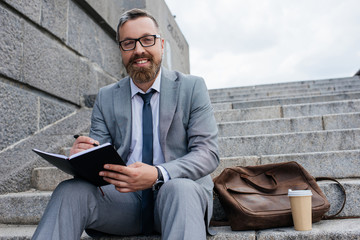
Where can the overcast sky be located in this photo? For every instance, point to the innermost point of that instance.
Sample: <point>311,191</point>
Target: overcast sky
<point>249,42</point>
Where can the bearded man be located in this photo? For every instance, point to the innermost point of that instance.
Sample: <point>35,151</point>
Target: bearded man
<point>162,124</point>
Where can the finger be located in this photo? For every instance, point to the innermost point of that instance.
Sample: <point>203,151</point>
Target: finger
<point>84,146</point>
<point>120,186</point>
<point>117,168</point>
<point>86,140</point>
<point>79,148</point>
<point>114,175</point>
<point>74,151</point>
<point>115,182</point>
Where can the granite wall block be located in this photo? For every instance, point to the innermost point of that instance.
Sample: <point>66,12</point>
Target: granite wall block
<point>82,34</point>
<point>86,37</point>
<point>31,9</point>
<point>54,17</point>
<point>87,77</point>
<point>104,79</point>
<point>50,14</point>
<point>113,8</point>
<point>10,44</point>
<point>50,66</point>
<point>52,111</point>
<point>111,56</point>
<point>19,114</point>
<point>26,113</point>
<point>17,162</point>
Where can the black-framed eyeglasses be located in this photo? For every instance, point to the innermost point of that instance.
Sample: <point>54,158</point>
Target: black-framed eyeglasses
<point>146,41</point>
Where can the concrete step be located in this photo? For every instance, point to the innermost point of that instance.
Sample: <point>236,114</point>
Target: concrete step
<point>247,114</point>
<point>322,108</point>
<point>281,93</point>
<point>288,111</point>
<point>325,84</point>
<point>346,229</point>
<point>24,207</point>
<point>18,161</point>
<point>288,125</point>
<point>333,193</point>
<point>16,232</point>
<point>222,106</point>
<point>337,85</point>
<point>295,100</point>
<point>273,126</point>
<point>22,204</point>
<point>23,232</point>
<point>47,178</point>
<point>335,164</point>
<point>320,141</point>
<point>28,207</point>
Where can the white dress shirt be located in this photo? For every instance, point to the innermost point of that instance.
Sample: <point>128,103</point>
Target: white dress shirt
<point>137,103</point>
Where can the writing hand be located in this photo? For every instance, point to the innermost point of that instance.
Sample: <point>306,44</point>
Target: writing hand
<point>137,176</point>
<point>82,143</point>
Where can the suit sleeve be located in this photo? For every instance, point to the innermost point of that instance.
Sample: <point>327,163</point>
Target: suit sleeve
<point>201,133</point>
<point>99,130</point>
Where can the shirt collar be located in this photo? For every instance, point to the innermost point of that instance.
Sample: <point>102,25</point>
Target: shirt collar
<point>155,86</point>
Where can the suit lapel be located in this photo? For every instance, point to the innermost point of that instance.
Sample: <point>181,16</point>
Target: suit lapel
<point>122,105</point>
<point>169,91</point>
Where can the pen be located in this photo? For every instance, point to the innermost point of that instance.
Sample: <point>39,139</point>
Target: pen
<point>76,136</point>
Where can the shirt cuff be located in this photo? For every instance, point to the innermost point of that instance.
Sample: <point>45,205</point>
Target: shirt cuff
<point>164,173</point>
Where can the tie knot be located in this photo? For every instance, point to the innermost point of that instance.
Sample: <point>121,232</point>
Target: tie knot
<point>147,96</point>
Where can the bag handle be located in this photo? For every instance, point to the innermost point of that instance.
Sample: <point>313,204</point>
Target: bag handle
<point>261,188</point>
<point>342,189</point>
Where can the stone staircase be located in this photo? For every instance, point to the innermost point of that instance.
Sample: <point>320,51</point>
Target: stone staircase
<point>316,123</point>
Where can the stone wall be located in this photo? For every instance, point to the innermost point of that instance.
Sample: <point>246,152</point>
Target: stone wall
<point>52,53</point>
<point>55,53</point>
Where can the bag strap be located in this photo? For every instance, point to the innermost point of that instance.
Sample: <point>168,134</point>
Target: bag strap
<point>272,187</point>
<point>342,189</point>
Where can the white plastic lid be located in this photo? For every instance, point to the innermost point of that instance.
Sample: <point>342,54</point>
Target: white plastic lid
<point>297,193</point>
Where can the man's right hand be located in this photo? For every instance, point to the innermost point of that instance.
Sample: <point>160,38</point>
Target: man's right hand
<point>82,143</point>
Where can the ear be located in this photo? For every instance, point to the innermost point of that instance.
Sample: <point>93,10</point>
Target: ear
<point>162,46</point>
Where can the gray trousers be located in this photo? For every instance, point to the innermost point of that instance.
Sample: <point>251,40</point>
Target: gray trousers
<point>76,205</point>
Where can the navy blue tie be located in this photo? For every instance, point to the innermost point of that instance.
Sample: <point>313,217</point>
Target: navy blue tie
<point>147,204</point>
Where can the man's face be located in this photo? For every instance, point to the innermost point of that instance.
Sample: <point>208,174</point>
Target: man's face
<point>142,63</point>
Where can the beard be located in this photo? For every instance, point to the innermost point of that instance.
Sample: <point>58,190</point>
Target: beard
<point>143,74</point>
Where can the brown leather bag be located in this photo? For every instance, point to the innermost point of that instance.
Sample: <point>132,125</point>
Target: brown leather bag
<point>255,197</point>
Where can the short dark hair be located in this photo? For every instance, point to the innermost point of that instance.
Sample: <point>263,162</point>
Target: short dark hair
<point>131,15</point>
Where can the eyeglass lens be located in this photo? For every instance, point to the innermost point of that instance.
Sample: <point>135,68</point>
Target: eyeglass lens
<point>146,41</point>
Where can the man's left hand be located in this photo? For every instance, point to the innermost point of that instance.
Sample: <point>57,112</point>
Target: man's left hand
<point>137,176</point>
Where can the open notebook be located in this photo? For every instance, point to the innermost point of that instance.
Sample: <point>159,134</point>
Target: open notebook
<point>86,164</point>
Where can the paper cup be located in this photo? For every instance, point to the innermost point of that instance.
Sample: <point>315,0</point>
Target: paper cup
<point>300,201</point>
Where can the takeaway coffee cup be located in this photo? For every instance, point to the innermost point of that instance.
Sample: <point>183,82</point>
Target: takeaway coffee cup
<point>300,201</point>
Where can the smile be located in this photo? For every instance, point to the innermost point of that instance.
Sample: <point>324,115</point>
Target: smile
<point>141,61</point>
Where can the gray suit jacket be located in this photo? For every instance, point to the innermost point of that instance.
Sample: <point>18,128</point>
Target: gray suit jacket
<point>188,131</point>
